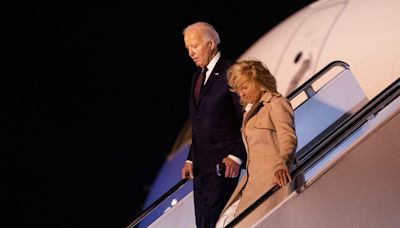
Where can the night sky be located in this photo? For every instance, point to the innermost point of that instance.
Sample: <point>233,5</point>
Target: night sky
<point>94,96</point>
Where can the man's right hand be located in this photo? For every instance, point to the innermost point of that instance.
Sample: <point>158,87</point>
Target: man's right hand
<point>187,170</point>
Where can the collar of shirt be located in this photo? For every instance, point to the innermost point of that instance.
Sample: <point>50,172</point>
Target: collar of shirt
<point>248,107</point>
<point>211,65</point>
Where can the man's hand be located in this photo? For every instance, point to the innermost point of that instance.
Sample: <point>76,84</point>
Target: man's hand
<point>187,170</point>
<point>232,168</point>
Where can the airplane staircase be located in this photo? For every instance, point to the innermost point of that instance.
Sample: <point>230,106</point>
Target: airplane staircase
<point>348,160</point>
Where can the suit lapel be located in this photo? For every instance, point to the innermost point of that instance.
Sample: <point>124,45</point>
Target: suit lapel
<point>211,80</point>
<point>214,76</point>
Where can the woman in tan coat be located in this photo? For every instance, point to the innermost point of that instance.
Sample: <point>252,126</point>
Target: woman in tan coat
<point>269,136</point>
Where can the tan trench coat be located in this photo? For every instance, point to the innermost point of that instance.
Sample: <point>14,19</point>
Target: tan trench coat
<point>270,139</point>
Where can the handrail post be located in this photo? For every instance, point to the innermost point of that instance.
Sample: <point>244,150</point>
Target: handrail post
<point>309,91</point>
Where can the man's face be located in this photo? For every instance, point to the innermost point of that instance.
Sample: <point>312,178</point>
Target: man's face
<point>199,48</point>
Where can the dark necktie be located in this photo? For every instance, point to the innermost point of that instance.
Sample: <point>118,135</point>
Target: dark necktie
<point>199,84</point>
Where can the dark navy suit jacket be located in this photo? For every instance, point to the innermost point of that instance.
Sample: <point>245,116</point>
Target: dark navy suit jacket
<point>216,121</point>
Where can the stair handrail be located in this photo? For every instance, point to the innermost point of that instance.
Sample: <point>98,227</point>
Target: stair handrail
<point>156,203</point>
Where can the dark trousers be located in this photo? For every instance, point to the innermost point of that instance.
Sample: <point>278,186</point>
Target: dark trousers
<point>211,193</point>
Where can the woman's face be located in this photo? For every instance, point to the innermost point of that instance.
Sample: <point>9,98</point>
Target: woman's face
<point>250,92</point>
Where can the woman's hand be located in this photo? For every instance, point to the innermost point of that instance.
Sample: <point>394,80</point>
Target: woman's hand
<point>282,176</point>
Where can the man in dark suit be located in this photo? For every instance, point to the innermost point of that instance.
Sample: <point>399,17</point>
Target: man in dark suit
<point>216,118</point>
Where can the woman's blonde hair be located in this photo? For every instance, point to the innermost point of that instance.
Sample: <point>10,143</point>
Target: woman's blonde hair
<point>253,71</point>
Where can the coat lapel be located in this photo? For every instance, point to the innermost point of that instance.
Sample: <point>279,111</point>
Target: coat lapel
<point>253,111</point>
<point>266,98</point>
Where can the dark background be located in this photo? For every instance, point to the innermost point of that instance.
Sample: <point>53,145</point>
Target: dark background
<point>94,96</point>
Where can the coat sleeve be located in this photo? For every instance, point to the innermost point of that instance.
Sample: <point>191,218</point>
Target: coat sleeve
<point>282,115</point>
